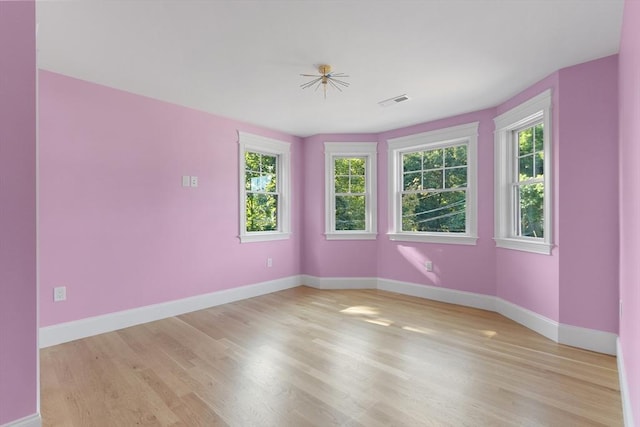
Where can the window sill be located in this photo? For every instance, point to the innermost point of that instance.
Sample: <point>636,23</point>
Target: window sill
<point>532,246</point>
<point>263,237</point>
<point>351,236</point>
<point>431,238</point>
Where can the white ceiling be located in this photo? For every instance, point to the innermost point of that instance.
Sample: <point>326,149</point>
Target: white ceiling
<point>242,58</point>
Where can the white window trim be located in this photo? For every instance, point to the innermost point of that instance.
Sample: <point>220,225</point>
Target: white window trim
<point>332,151</point>
<point>261,144</point>
<point>535,109</point>
<point>466,133</point>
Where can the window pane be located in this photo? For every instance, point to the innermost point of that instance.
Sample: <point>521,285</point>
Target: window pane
<point>252,161</point>
<point>433,159</point>
<point>268,164</point>
<point>251,181</point>
<point>357,184</point>
<point>525,167</point>
<point>531,207</point>
<point>263,183</point>
<point>525,142</point>
<point>350,213</point>
<point>357,166</point>
<point>539,137</point>
<point>342,184</point>
<point>456,177</point>
<point>342,166</point>
<point>412,162</point>
<point>434,212</point>
<point>432,179</point>
<point>262,212</point>
<point>455,156</point>
<point>270,183</point>
<point>412,181</point>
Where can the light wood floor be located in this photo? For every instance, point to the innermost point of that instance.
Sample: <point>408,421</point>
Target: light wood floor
<point>309,357</point>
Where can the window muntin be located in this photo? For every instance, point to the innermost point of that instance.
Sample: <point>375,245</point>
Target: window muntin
<point>523,210</point>
<point>264,188</point>
<point>350,190</point>
<point>432,186</point>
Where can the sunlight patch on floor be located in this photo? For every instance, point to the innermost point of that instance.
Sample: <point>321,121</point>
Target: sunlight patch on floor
<point>361,310</point>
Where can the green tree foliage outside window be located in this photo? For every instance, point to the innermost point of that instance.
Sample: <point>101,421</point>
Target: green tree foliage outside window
<point>350,193</point>
<point>434,190</point>
<point>261,189</point>
<point>530,186</point>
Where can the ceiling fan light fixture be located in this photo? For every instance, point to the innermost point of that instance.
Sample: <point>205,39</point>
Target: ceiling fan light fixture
<point>326,78</point>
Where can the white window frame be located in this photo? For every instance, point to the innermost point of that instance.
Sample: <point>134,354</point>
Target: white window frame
<point>535,110</point>
<point>366,150</point>
<point>260,144</point>
<point>455,135</point>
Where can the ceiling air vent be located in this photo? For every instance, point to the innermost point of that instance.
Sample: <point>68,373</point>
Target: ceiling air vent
<point>393,101</point>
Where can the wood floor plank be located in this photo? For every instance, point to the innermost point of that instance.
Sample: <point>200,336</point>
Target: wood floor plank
<point>307,357</point>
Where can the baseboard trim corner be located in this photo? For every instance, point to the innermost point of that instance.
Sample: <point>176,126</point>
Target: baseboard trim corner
<point>588,339</point>
<point>34,420</point>
<point>536,322</point>
<point>627,411</point>
<point>70,331</point>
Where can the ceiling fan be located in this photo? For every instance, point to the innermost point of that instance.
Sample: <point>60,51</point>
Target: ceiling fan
<point>325,78</point>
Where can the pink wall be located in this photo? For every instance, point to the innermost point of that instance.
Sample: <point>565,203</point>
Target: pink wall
<point>116,226</point>
<point>526,279</point>
<point>466,268</point>
<point>629,121</point>
<point>588,183</point>
<point>330,258</point>
<point>18,306</point>
<point>558,286</point>
<point>576,284</point>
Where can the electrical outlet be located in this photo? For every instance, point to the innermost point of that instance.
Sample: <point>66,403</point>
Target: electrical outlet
<point>428,265</point>
<point>186,181</point>
<point>194,181</point>
<point>269,262</point>
<point>59,293</point>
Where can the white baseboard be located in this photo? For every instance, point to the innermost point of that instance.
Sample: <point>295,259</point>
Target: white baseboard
<point>69,331</point>
<point>452,296</point>
<point>34,420</point>
<point>589,339</point>
<point>624,388</point>
<point>532,320</point>
<point>339,282</point>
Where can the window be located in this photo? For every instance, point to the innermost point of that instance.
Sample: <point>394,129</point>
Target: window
<point>264,188</point>
<point>523,177</point>
<point>432,186</point>
<point>350,190</point>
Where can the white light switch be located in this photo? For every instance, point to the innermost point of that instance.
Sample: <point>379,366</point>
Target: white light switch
<point>186,181</point>
<point>194,181</point>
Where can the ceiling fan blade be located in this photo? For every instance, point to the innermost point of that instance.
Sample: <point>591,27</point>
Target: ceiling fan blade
<point>311,83</point>
<point>340,82</point>
<point>332,83</point>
